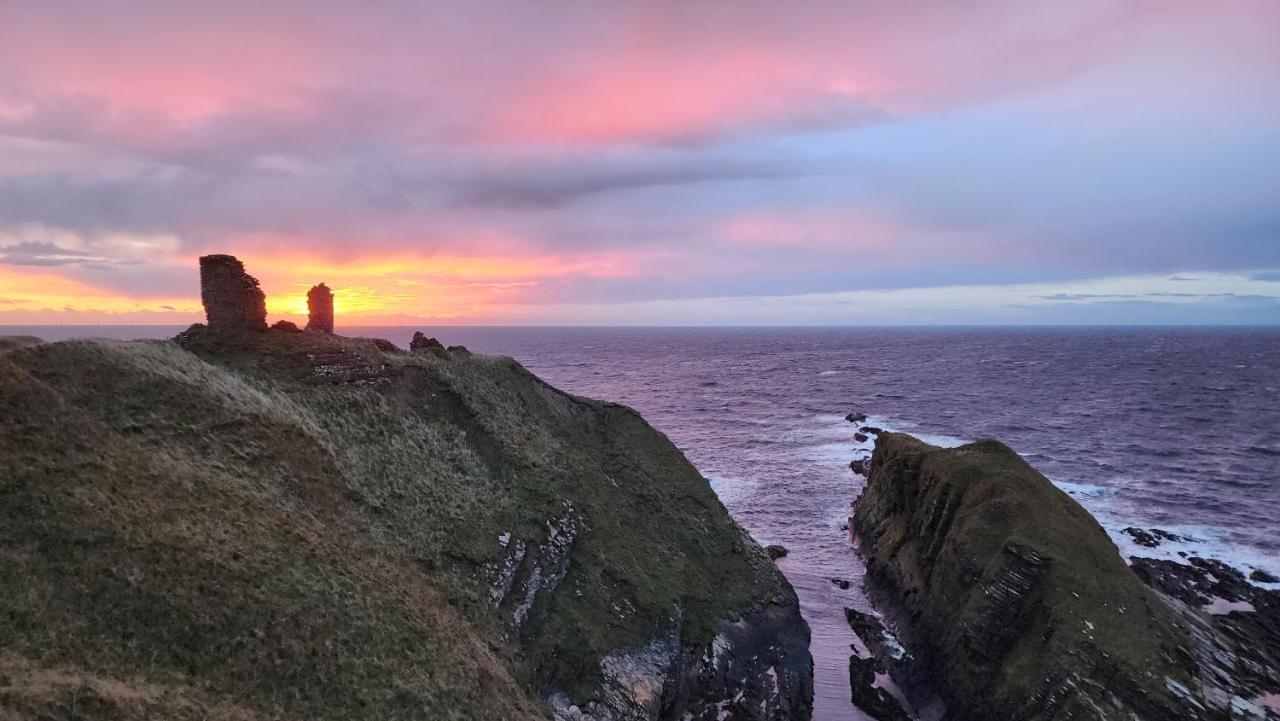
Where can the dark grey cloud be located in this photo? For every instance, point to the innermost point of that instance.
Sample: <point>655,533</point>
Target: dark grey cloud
<point>877,146</point>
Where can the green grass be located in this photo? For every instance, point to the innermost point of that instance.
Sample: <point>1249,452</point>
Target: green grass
<point>297,525</point>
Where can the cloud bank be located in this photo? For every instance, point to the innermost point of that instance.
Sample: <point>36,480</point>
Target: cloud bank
<point>504,163</point>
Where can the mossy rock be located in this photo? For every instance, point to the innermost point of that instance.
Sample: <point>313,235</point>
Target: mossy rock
<point>1014,591</point>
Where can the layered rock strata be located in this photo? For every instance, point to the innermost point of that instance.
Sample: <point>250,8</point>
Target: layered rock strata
<point>1014,595</point>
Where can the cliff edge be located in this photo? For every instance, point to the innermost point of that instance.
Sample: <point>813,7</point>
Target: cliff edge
<point>1015,596</point>
<point>243,524</point>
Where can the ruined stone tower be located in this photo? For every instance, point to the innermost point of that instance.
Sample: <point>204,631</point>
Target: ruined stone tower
<point>231,297</point>
<point>320,309</point>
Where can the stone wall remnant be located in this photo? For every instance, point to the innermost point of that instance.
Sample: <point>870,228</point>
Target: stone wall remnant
<point>320,309</point>
<point>231,297</point>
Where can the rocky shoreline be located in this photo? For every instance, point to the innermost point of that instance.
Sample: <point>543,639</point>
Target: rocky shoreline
<point>1006,601</point>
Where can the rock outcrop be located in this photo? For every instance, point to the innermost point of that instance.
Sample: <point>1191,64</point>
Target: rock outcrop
<point>1235,627</point>
<point>1013,594</point>
<point>320,309</point>
<point>231,297</point>
<point>420,343</point>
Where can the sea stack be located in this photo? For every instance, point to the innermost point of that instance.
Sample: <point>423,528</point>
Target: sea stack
<point>320,309</point>
<point>231,297</point>
<point>1014,594</point>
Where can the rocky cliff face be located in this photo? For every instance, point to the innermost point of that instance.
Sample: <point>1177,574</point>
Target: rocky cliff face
<point>299,525</point>
<point>1016,598</point>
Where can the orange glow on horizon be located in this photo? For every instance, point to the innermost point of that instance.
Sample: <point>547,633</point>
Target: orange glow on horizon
<point>438,286</point>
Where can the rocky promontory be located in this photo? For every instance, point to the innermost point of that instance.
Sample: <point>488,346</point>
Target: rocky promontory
<point>248,522</point>
<point>1015,600</point>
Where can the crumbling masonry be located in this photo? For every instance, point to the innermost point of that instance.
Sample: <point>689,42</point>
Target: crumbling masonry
<point>320,309</point>
<point>231,297</point>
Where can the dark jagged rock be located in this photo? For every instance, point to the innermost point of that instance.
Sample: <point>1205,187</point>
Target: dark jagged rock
<point>775,551</point>
<point>1142,537</point>
<point>1164,535</point>
<point>886,658</point>
<point>1262,576</point>
<point>860,466</point>
<point>876,702</point>
<point>758,668</point>
<point>870,430</point>
<point>320,309</point>
<point>841,583</point>
<point>1013,593</point>
<point>286,326</point>
<point>231,297</point>
<point>1234,624</point>
<point>855,417</point>
<point>860,437</point>
<point>459,349</point>
<point>423,344</point>
<point>1151,538</point>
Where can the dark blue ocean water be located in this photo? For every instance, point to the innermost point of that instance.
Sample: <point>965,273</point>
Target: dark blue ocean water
<point>1172,428</point>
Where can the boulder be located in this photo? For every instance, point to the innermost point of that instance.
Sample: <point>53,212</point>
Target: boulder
<point>860,437</point>
<point>1262,576</point>
<point>775,551</point>
<point>855,417</point>
<point>286,326</point>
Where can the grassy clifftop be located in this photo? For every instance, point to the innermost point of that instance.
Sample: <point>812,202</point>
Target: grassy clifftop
<point>298,525</point>
<point>1015,591</point>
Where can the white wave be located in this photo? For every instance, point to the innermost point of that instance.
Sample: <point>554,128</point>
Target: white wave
<point>730,489</point>
<point>1083,490</point>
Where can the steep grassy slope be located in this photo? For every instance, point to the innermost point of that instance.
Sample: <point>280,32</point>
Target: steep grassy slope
<point>307,526</point>
<point>1014,590</point>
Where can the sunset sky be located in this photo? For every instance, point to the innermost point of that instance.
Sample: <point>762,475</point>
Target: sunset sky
<point>645,162</point>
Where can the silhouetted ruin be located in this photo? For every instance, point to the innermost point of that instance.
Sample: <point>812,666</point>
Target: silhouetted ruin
<point>231,297</point>
<point>422,344</point>
<point>320,309</point>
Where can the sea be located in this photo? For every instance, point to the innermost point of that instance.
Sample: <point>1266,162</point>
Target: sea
<point>1170,428</point>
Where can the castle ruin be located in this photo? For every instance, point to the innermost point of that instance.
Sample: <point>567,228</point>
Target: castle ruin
<point>233,301</point>
<point>231,297</point>
<point>320,309</point>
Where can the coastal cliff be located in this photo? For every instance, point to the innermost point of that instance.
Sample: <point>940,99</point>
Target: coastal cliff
<point>1013,596</point>
<point>243,524</point>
